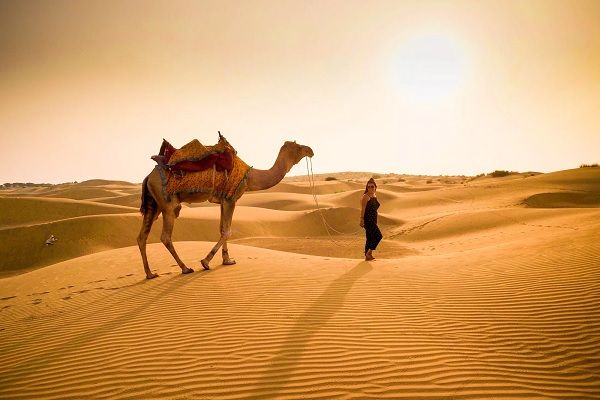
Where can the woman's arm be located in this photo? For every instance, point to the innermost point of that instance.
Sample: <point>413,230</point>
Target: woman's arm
<point>363,203</point>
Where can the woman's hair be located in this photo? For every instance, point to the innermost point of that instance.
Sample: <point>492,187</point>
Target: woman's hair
<point>370,181</point>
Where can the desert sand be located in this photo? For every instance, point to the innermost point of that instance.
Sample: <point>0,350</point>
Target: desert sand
<point>484,288</point>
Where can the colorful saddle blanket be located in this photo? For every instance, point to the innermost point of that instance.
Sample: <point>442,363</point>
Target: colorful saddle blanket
<point>194,156</point>
<point>225,184</point>
<point>196,168</point>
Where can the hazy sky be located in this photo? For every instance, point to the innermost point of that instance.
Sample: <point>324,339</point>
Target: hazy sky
<point>88,89</point>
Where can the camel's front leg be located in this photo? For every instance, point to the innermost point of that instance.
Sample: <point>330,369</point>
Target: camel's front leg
<point>225,253</point>
<point>168,223</point>
<point>226,259</point>
<point>227,208</point>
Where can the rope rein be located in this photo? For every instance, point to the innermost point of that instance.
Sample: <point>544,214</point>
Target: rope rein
<point>328,227</point>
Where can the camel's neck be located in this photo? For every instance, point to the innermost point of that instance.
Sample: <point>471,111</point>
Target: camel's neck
<point>260,179</point>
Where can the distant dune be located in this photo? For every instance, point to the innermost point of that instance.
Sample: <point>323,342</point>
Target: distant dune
<point>107,183</point>
<point>482,288</point>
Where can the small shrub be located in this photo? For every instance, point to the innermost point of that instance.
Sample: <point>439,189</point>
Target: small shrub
<point>499,174</point>
<point>331,178</point>
<point>429,181</point>
<point>475,177</point>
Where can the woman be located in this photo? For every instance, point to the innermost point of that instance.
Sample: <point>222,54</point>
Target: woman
<point>368,219</point>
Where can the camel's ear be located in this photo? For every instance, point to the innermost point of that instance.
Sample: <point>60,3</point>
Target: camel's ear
<point>220,136</point>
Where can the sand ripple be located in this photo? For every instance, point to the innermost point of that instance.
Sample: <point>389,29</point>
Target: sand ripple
<point>280,325</point>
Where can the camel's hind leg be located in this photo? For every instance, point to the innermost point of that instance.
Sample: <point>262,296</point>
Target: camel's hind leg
<point>168,223</point>
<point>149,218</point>
<point>227,208</point>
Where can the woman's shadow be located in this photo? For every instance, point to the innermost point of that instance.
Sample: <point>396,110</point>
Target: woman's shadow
<point>326,306</point>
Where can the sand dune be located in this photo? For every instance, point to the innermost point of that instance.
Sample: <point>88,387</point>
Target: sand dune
<point>321,187</point>
<point>128,200</point>
<point>488,288</point>
<point>282,201</point>
<point>35,210</point>
<point>280,325</point>
<point>564,200</point>
<point>108,183</point>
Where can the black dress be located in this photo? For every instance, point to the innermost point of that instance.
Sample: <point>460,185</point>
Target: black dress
<point>374,235</point>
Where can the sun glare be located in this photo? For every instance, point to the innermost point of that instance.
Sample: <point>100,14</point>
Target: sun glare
<point>430,68</point>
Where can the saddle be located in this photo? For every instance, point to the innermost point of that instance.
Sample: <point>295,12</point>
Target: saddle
<point>194,156</point>
<point>195,168</point>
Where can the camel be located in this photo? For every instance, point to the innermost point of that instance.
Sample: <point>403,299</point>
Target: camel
<point>154,202</point>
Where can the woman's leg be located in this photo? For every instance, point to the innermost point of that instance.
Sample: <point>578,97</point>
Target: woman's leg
<point>370,243</point>
<point>377,236</point>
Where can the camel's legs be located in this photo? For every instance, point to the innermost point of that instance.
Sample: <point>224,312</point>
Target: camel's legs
<point>227,208</point>
<point>149,219</point>
<point>225,253</point>
<point>168,223</point>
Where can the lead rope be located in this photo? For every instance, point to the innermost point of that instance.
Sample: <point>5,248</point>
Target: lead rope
<point>328,227</point>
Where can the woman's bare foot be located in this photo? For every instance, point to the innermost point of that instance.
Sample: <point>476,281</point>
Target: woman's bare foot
<point>369,256</point>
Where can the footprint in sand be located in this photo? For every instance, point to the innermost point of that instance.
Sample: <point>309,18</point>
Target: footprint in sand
<point>67,298</point>
<point>8,298</point>
<point>36,301</point>
<point>37,294</point>
<point>6,307</point>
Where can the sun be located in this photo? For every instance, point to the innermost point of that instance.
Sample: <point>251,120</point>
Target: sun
<point>430,67</point>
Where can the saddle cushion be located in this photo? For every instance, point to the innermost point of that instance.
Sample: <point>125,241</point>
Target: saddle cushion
<point>193,151</point>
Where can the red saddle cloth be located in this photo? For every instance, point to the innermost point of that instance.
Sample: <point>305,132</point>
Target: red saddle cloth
<point>221,161</point>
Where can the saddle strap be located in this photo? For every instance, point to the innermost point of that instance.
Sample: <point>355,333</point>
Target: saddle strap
<point>212,190</point>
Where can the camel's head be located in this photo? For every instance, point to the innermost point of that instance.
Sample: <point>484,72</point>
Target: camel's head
<point>297,151</point>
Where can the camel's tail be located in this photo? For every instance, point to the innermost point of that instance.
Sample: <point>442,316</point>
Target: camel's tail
<point>147,199</point>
